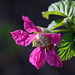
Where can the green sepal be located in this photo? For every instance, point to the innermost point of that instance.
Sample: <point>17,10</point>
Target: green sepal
<point>34,44</point>
<point>47,49</point>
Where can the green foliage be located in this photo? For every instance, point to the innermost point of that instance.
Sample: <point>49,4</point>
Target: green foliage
<point>67,46</point>
<point>55,24</point>
<point>62,8</point>
<point>69,24</point>
<point>66,9</point>
<point>47,13</point>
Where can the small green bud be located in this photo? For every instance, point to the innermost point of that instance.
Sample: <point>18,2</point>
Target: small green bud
<point>69,24</point>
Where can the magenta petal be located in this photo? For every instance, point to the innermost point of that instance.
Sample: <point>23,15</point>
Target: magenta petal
<point>55,38</point>
<point>29,25</point>
<point>30,39</point>
<point>37,57</point>
<point>47,34</point>
<point>53,59</point>
<point>22,38</point>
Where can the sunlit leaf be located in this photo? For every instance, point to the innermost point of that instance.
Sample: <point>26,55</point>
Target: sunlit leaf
<point>62,8</point>
<point>47,13</point>
<point>54,24</point>
<point>67,47</point>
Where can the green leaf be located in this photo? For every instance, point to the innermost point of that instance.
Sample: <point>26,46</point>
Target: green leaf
<point>55,24</point>
<point>67,47</point>
<point>62,8</point>
<point>47,13</point>
<point>67,6</point>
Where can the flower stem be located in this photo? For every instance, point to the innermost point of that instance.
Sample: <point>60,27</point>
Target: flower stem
<point>60,30</point>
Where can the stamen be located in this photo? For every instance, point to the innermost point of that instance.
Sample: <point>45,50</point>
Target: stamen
<point>42,41</point>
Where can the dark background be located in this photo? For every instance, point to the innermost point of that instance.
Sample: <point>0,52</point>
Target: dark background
<point>14,59</point>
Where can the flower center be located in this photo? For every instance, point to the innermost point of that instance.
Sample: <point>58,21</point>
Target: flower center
<point>42,41</point>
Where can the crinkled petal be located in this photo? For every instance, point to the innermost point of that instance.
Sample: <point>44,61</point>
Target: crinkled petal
<point>55,38</point>
<point>22,38</point>
<point>29,25</point>
<point>37,57</point>
<point>53,59</point>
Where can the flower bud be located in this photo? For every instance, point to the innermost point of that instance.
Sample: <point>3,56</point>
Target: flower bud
<point>69,24</point>
<point>42,41</point>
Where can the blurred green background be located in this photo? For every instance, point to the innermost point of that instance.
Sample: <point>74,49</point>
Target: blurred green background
<point>14,59</point>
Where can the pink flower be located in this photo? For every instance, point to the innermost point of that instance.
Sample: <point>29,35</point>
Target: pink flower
<point>43,41</point>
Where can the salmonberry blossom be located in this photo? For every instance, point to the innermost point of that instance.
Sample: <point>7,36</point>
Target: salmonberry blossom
<point>43,41</point>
